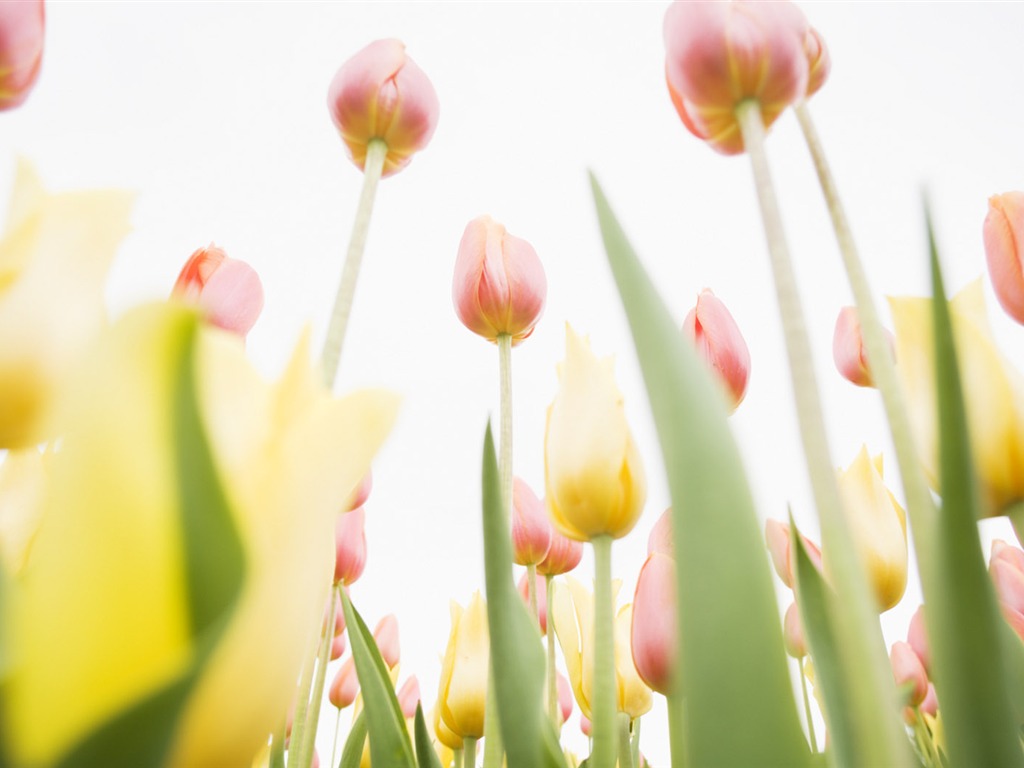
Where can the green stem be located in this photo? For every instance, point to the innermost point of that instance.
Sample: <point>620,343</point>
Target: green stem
<point>301,707</point>
<point>625,753</point>
<point>880,359</point>
<point>313,713</point>
<point>603,704</point>
<point>554,711</point>
<point>505,449</point>
<point>873,693</point>
<point>334,743</point>
<point>494,748</point>
<point>456,758</point>
<point>469,752</point>
<point>635,743</point>
<point>277,748</point>
<point>531,590</point>
<point>677,730</point>
<point>807,710</point>
<point>376,152</point>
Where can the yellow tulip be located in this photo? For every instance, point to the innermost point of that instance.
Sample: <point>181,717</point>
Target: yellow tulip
<point>22,479</point>
<point>993,393</point>
<point>103,616</point>
<point>463,692</point>
<point>54,258</point>
<point>593,474</point>
<point>573,613</point>
<point>878,527</point>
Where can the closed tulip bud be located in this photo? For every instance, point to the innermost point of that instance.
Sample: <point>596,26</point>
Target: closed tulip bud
<point>992,391</point>
<point>660,539</point>
<point>585,725</point>
<point>848,351</point>
<point>1006,567</point>
<point>463,691</point>
<point>878,527</point>
<point>793,639</point>
<point>409,697</point>
<point>345,686</point>
<point>499,285</point>
<point>719,54</point>
<point>711,328</point>
<point>1003,233</point>
<point>819,62</point>
<point>564,696</point>
<point>386,636</point>
<point>917,638</point>
<point>227,291</point>
<point>909,672</point>
<point>443,733</point>
<point>930,705</point>
<point>349,546</point>
<point>776,535</point>
<point>594,476</point>
<point>22,26</point>
<point>563,555</point>
<point>380,93</point>
<point>655,634</point>
<point>542,598</point>
<point>531,527</point>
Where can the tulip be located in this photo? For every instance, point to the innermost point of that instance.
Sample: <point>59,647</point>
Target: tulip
<point>22,484</point>
<point>54,258</point>
<point>499,285</point>
<point>409,697</point>
<point>991,388</point>
<point>564,696</point>
<point>655,634</point>
<point>909,672</point>
<point>917,638</point>
<point>594,477</point>
<point>345,686</point>
<point>585,725</point>
<point>819,63</point>
<point>531,527</point>
<point>660,538</point>
<point>1006,567</point>
<point>227,291</point>
<point>349,546</point>
<point>878,527</point>
<point>463,690</point>
<point>386,636</point>
<point>848,350</point>
<point>444,734</point>
<point>542,598</point>
<point>563,555</point>
<point>719,342</point>
<point>793,639</point>
<point>634,696</point>
<point>111,545</point>
<point>380,93</point>
<point>719,54</point>
<point>1003,233</point>
<point>776,534</point>
<point>22,26</point>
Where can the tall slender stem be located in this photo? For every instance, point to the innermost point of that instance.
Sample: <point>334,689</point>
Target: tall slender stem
<point>603,705</point>
<point>313,714</point>
<point>807,711</point>
<point>301,708</point>
<point>376,152</point>
<point>625,750</point>
<point>469,752</point>
<point>334,741</point>
<point>554,711</point>
<point>505,449</point>
<point>883,740</point>
<point>277,748</point>
<point>634,745</point>
<point>677,730</point>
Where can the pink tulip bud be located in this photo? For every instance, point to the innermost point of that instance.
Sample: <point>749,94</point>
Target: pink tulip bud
<point>917,638</point>
<point>386,635</point>
<point>531,526</point>
<point>1003,232</point>
<point>930,705</point>
<point>337,647</point>
<point>338,641</point>
<point>719,54</point>
<point>908,671</point>
<point>228,291</point>
<point>349,546</point>
<point>409,697</point>
<point>660,539</point>
<point>345,685</point>
<point>564,555</point>
<point>362,492</point>
<point>848,351</point>
<point>1006,568</point>
<point>22,27</point>
<point>719,342</point>
<point>819,63</point>
<point>654,632</point>
<point>380,93</point>
<point>564,696</point>
<point>776,535</point>
<point>585,725</point>
<point>542,598</point>
<point>499,285</point>
<point>793,633</point>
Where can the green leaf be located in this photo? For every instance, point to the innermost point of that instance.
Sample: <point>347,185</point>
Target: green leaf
<point>731,637</point>
<point>515,639</point>
<point>389,739</point>
<point>425,754</point>
<point>352,753</point>
<point>964,624</point>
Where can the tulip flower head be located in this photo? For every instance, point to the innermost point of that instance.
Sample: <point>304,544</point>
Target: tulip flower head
<point>594,476</point>
<point>386,636</point>
<point>564,696</point>
<point>409,697</point>
<point>819,62</point>
<point>22,26</point>
<point>917,638</point>
<point>776,535</point>
<point>499,285</point>
<point>463,690</point>
<point>380,93</point>
<point>563,555</point>
<point>719,54</point>
<point>655,631</point>
<point>349,546</point>
<point>848,350</point>
<point>1003,233</point>
<point>345,686</point>
<point>531,527</point>
<point>1006,567</point>
<point>793,639</point>
<point>908,672</point>
<point>228,291</point>
<point>718,340</point>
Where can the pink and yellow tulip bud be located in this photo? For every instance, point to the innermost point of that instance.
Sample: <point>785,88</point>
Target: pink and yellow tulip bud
<point>655,634</point>
<point>1006,568</point>
<point>228,291</point>
<point>409,697</point>
<point>345,686</point>
<point>586,727</point>
<point>776,535</point>
<point>660,539</point>
<point>361,493</point>
<point>531,527</point>
<point>909,672</point>
<point>380,93</point>
<point>1003,233</point>
<point>499,285</point>
<point>718,340</point>
<point>22,27</point>
<point>992,391</point>
<point>719,54</point>
<point>848,350</point>
<point>463,691</point>
<point>563,555</point>
<point>793,639</point>
<point>592,468</point>
<point>540,584</point>
<point>878,527</point>
<point>819,62</point>
<point>386,636</point>
<point>349,546</point>
<point>917,638</point>
<point>564,696</point>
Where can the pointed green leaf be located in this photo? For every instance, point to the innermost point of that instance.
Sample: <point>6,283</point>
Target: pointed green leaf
<point>731,636</point>
<point>389,739</point>
<point>352,752</point>
<point>515,638</point>
<point>964,624</point>
<point>425,754</point>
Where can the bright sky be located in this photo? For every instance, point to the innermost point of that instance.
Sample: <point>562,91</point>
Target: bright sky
<point>216,114</point>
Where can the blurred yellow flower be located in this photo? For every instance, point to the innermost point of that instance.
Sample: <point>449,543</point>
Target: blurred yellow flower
<point>592,469</point>
<point>22,480</point>
<point>105,615</point>
<point>463,691</point>
<point>54,258</point>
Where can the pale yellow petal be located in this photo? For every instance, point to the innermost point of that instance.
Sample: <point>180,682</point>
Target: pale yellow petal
<point>634,697</point>
<point>22,483</point>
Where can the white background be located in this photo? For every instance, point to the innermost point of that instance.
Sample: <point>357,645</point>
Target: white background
<point>216,115</point>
